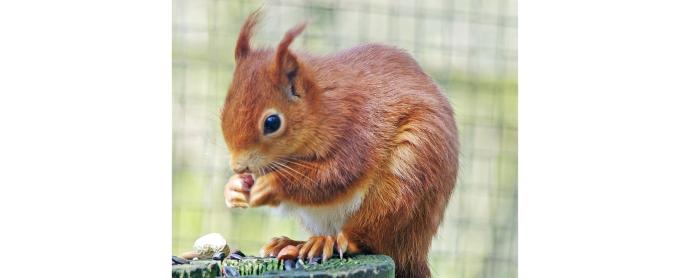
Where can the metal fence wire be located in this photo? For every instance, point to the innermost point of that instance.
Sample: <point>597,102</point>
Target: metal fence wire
<point>469,47</point>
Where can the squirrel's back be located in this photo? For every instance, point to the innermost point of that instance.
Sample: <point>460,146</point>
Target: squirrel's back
<point>379,87</point>
<point>379,68</point>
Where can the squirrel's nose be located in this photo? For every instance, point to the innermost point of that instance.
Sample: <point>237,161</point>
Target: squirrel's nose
<point>240,170</point>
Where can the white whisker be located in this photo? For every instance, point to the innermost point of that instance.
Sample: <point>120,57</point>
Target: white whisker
<point>276,170</point>
<point>295,171</point>
<point>297,163</point>
<point>282,166</point>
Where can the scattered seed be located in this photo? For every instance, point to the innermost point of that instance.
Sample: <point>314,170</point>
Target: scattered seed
<point>231,271</point>
<point>178,260</point>
<point>218,256</point>
<point>289,265</point>
<point>299,265</point>
<point>315,260</point>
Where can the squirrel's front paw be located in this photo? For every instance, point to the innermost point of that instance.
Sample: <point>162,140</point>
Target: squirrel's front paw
<point>237,191</point>
<point>263,192</point>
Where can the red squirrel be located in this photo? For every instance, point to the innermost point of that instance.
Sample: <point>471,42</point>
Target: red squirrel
<point>360,145</point>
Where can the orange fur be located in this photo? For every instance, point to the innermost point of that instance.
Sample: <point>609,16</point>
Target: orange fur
<point>367,118</point>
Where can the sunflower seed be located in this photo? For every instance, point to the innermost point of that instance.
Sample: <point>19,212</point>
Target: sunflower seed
<point>289,265</point>
<point>230,271</point>
<point>315,260</point>
<point>178,260</point>
<point>218,256</point>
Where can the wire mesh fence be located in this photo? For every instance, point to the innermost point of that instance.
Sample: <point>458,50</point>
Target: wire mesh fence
<point>469,47</point>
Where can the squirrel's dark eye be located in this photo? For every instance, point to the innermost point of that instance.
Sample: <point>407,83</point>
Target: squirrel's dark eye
<point>271,124</point>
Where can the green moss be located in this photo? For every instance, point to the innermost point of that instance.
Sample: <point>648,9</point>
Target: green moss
<point>197,269</point>
<point>358,266</point>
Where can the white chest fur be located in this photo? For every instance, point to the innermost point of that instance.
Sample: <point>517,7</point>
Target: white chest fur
<point>324,220</point>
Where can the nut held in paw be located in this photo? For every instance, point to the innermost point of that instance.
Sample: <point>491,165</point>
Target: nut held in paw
<point>248,180</point>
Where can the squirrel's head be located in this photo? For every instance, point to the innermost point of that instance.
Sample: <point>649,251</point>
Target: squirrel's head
<point>268,113</point>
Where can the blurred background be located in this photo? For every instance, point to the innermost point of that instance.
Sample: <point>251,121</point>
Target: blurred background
<point>469,47</point>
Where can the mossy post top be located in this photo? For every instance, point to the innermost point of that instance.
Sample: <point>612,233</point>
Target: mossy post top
<point>358,266</point>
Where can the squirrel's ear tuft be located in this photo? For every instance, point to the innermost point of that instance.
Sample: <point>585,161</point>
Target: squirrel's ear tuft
<point>286,63</point>
<point>242,48</point>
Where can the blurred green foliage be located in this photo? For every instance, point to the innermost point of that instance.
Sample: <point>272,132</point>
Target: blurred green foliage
<point>469,47</point>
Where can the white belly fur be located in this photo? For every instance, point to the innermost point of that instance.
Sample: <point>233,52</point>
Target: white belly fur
<point>324,220</point>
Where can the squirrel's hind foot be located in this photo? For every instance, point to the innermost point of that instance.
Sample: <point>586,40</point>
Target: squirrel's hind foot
<point>315,246</point>
<point>326,245</point>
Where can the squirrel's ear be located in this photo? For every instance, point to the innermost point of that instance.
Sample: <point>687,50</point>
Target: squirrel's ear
<point>286,63</point>
<point>242,48</point>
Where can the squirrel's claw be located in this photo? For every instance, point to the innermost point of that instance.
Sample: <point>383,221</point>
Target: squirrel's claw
<point>345,245</point>
<point>327,248</point>
<point>341,242</point>
<point>305,248</point>
<point>317,246</point>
